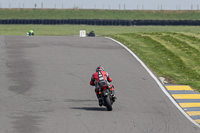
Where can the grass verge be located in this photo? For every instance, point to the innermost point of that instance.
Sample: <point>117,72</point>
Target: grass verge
<point>68,30</point>
<point>98,14</point>
<point>167,55</point>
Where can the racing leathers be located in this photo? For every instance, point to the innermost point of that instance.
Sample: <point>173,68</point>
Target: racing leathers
<point>99,78</point>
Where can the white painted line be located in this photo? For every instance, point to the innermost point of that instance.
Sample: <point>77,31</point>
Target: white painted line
<point>157,81</point>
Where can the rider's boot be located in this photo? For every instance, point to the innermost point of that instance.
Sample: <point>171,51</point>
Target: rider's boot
<point>113,95</point>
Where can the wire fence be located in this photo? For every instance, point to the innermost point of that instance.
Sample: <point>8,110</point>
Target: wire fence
<point>95,6</point>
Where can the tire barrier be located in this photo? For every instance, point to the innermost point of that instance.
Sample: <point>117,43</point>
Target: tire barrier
<point>100,22</point>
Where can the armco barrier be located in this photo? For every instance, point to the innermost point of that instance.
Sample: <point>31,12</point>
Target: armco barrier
<point>100,22</point>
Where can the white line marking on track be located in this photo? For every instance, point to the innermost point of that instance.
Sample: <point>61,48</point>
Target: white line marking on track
<point>157,81</point>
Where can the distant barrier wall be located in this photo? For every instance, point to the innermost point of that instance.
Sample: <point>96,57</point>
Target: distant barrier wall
<point>100,22</point>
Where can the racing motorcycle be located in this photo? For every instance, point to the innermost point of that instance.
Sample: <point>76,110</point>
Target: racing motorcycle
<point>91,34</point>
<point>106,96</point>
<point>29,34</point>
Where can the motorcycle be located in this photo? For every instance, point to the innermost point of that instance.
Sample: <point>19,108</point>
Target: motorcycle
<point>91,34</point>
<point>29,34</point>
<point>107,97</point>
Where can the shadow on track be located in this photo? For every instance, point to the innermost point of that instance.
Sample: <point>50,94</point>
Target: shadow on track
<point>90,108</point>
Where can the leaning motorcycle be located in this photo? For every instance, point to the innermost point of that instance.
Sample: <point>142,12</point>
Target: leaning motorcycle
<point>91,34</point>
<point>29,34</point>
<point>106,96</point>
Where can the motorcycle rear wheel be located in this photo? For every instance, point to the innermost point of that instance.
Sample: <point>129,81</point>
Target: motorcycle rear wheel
<point>108,103</point>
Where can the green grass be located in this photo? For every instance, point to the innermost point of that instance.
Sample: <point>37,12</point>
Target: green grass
<point>98,14</point>
<point>68,30</point>
<point>168,56</point>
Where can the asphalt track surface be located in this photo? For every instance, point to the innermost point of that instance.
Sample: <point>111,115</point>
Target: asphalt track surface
<point>44,88</point>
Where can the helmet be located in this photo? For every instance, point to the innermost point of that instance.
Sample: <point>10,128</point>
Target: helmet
<point>99,68</point>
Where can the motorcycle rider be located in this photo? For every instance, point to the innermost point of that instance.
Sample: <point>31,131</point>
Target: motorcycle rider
<point>91,33</point>
<point>99,78</point>
<point>31,32</point>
